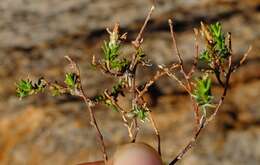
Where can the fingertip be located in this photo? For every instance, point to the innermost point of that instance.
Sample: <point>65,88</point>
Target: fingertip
<point>136,154</point>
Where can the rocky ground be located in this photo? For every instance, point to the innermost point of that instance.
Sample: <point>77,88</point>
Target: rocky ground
<point>34,37</point>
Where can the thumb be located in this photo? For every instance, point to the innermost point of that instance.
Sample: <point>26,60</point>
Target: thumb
<point>136,154</point>
<point>133,154</point>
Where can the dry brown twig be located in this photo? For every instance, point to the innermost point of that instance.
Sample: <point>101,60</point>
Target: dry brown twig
<point>187,86</point>
<point>131,73</point>
<point>90,104</point>
<point>123,115</point>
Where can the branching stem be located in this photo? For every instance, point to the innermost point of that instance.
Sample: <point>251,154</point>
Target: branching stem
<point>81,93</point>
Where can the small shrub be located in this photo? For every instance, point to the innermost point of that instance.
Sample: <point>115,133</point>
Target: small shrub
<point>217,55</point>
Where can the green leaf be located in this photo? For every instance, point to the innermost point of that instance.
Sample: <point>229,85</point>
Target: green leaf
<point>24,88</point>
<point>121,65</point>
<point>141,113</point>
<point>110,51</point>
<point>219,40</point>
<point>205,57</point>
<point>202,91</point>
<point>71,80</point>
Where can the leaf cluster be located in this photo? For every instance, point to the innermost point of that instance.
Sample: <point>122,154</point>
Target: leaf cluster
<point>216,49</point>
<point>71,80</point>
<point>219,40</point>
<point>111,51</point>
<point>202,92</point>
<point>140,113</point>
<point>27,87</point>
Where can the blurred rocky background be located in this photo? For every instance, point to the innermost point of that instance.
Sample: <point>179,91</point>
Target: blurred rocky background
<point>42,130</point>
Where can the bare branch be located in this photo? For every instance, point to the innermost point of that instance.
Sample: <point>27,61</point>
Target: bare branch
<point>90,104</point>
<point>74,65</point>
<point>174,42</point>
<point>243,59</point>
<point>196,54</point>
<point>230,42</point>
<point>122,113</point>
<point>172,75</point>
<point>139,38</point>
<point>156,132</point>
<point>130,74</point>
<point>151,82</point>
<point>191,142</point>
<point>188,85</point>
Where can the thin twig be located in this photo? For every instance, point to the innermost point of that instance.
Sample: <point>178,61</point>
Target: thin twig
<point>196,54</point>
<point>139,38</point>
<point>230,43</point>
<point>153,123</point>
<point>151,82</point>
<point>99,134</point>
<point>157,75</point>
<point>192,70</point>
<point>135,129</point>
<point>74,65</point>
<point>188,85</point>
<point>172,75</point>
<point>131,73</point>
<point>122,113</point>
<point>156,132</point>
<point>81,93</point>
<point>175,43</point>
<point>191,142</point>
<point>243,59</point>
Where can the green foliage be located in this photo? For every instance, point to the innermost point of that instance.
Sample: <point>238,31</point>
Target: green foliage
<point>205,57</point>
<point>219,40</point>
<point>111,55</point>
<point>71,80</point>
<point>27,87</point>
<point>119,64</point>
<point>141,113</point>
<point>23,88</point>
<point>202,92</point>
<point>217,50</point>
<point>110,51</point>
